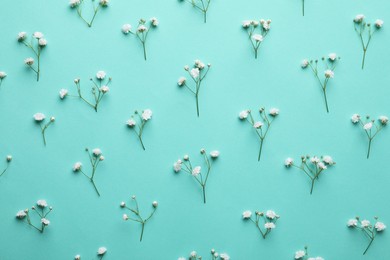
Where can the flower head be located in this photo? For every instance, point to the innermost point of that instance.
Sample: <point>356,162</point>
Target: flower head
<point>131,122</point>
<point>328,160</point>
<point>38,35</point>
<point>3,74</point>
<point>100,75</point>
<point>355,118</point>
<point>22,36</point>
<point>21,214</point>
<point>181,81</point>
<point>125,217</point>
<point>96,152</point>
<point>194,73</point>
<point>368,126</point>
<point>365,223</point>
<point>126,28</point>
<point>257,37</point>
<point>45,221</point>
<point>359,18</point>
<point>146,114</point>
<point>101,251</point>
<point>224,256</point>
<point>74,3</point>
<point>142,28</point>
<point>258,125</point>
<point>154,204</point>
<point>332,56</point>
<point>8,158</point>
<point>246,23</point>
<point>42,203</point>
<point>274,111</point>
<point>299,254</point>
<point>77,257</point>
<point>177,166</point>
<point>103,2</point>
<point>379,23</point>
<point>247,214</point>
<point>269,225</point>
<point>288,162</point>
<point>271,214</point>
<point>329,74</point>
<point>196,171</point>
<point>154,21</point>
<point>63,93</point>
<point>380,226</point>
<point>243,114</point>
<point>42,42</point>
<point>29,61</point>
<point>352,222</point>
<point>39,117</point>
<point>104,89</point>
<point>304,63</point>
<point>77,166</point>
<point>384,120</point>
<point>214,154</point>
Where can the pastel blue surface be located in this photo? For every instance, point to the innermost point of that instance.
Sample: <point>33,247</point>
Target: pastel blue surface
<point>81,222</point>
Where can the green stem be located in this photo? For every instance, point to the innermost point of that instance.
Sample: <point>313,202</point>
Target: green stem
<point>260,150</point>
<point>144,47</point>
<point>44,138</point>
<point>369,148</point>
<point>197,104</point>
<point>365,251</point>
<point>312,185</point>
<point>303,7</point>
<point>93,183</point>
<point>326,101</point>
<point>205,16</point>
<point>142,231</point>
<point>142,143</point>
<point>204,193</point>
<point>364,57</point>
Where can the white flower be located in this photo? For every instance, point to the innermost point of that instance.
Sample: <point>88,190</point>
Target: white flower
<point>42,203</point>
<point>193,254</point>
<point>142,28</point>
<point>299,254</point>
<point>29,61</point>
<point>42,42</point>
<point>355,118</point>
<point>97,151</point>
<point>224,256</point>
<point>271,214</point>
<point>194,73</point>
<point>3,74</point>
<point>214,154</point>
<point>247,214</point>
<point>380,226</point>
<point>332,56</point>
<point>243,114</point>
<point>274,111</point>
<point>155,204</point>
<point>177,166</point>
<point>45,221</point>
<point>74,3</point>
<point>38,35</point>
<point>329,74</point>
<point>246,23</point>
<point>199,64</point>
<point>315,159</point>
<point>126,28</point>
<point>77,166</point>
<point>379,23</point>
<point>103,2</point>
<point>269,225</point>
<point>100,75</point>
<point>359,18</point>
<point>322,166</point>
<point>146,114</point>
<point>257,37</point>
<point>368,126</point>
<point>181,81</point>
<point>258,125</point>
<point>288,162</point>
<point>352,222</point>
<point>102,250</point>
<point>22,36</point>
<point>104,89</point>
<point>125,217</point>
<point>21,214</point>
<point>384,120</point>
<point>196,171</point>
<point>8,158</point>
<point>101,158</point>
<point>39,117</point>
<point>304,63</point>
<point>131,122</point>
<point>328,160</point>
<point>123,204</point>
<point>154,21</point>
<point>186,157</point>
<point>63,93</point>
<point>365,223</point>
<point>77,257</point>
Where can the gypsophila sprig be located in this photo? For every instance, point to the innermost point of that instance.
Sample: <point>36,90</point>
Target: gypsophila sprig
<point>100,87</point>
<point>201,5</point>
<point>261,127</point>
<point>3,75</point>
<point>142,31</point>
<point>39,118</point>
<point>371,231</point>
<point>214,256</point>
<point>37,43</point>
<point>329,64</point>
<point>197,74</point>
<point>8,160</point>
<point>311,166</point>
<point>196,171</point>
<point>264,221</point>
<point>95,157</point>
<point>365,31</point>
<point>257,31</point>
<point>100,253</point>
<point>370,127</point>
<point>304,255</point>
<point>79,4</point>
<point>138,127</point>
<point>42,210</point>
<point>138,218</point>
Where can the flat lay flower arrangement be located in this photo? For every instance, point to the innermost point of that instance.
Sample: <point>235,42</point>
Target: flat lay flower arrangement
<point>224,188</point>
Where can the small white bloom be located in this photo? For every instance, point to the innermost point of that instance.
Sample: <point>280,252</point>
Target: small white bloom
<point>359,18</point>
<point>246,23</point>
<point>352,222</point>
<point>3,74</point>
<point>39,117</point>
<point>131,122</point>
<point>77,166</point>
<point>142,28</point>
<point>38,35</point>
<point>186,67</point>
<point>97,151</point>
<point>214,154</point>
<point>186,157</point>
<point>104,89</point>
<point>102,250</point>
<point>288,162</point>
<point>329,74</point>
<point>101,158</point>
<point>271,214</point>
<point>63,93</point>
<point>243,114</point>
<point>155,204</point>
<point>332,56</point>
<point>100,74</point>
<point>304,63</point>
<point>21,214</point>
<point>258,125</point>
<point>196,171</point>
<point>103,2</point>
<point>42,42</point>
<point>29,61</point>
<point>45,221</point>
<point>125,217</point>
<point>224,256</point>
<point>379,23</point>
<point>368,126</point>
<point>269,225</point>
<point>193,254</point>
<point>257,37</point>
<point>199,64</point>
<point>365,223</point>
<point>315,159</point>
<point>194,73</point>
<point>299,254</point>
<point>8,158</point>
<point>22,36</point>
<point>126,28</point>
<point>355,118</point>
<point>146,114</point>
<point>181,81</point>
<point>177,166</point>
<point>123,204</point>
<point>247,214</point>
<point>380,226</point>
<point>274,111</point>
<point>74,3</point>
<point>384,120</point>
<point>77,257</point>
<point>154,21</point>
<point>322,166</point>
<point>328,160</point>
<point>42,203</point>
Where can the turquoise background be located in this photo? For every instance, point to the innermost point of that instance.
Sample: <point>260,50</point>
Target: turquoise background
<point>81,222</point>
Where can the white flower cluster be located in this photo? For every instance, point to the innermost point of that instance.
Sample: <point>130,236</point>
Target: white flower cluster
<point>44,210</point>
<point>144,117</point>
<point>262,26</point>
<point>77,4</point>
<point>269,218</point>
<point>302,255</point>
<point>40,118</point>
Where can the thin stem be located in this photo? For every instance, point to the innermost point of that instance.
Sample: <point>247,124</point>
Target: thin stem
<point>204,193</point>
<point>303,7</point>
<point>261,148</point>
<point>142,231</point>
<point>364,57</point>
<point>369,147</point>
<point>142,143</point>
<point>365,251</point>
<point>44,138</point>
<point>93,183</point>
<point>144,47</point>
<point>326,100</point>
<point>205,16</point>
<point>312,185</point>
<point>197,103</point>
